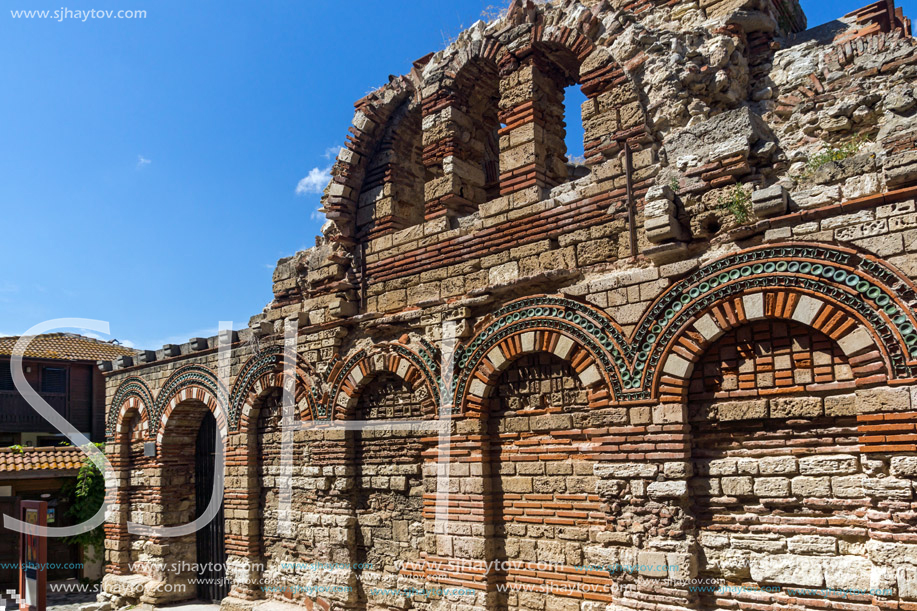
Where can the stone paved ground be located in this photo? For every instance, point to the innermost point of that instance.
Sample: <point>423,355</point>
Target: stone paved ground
<point>69,601</point>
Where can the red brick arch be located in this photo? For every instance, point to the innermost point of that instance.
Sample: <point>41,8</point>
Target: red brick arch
<point>366,368</point>
<point>242,496</point>
<point>846,327</point>
<point>485,372</point>
<point>186,394</point>
<point>267,382</point>
<point>131,405</point>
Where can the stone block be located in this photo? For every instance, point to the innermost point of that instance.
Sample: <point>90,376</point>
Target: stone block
<point>669,489</point>
<point>907,582</point>
<point>901,168</point>
<point>847,572</point>
<point>653,564</point>
<point>761,543</point>
<point>811,487</point>
<point>742,410</point>
<point>841,405</point>
<point>625,470</point>
<point>833,464</point>
<point>788,569</point>
<point>816,545</point>
<point>849,486</point>
<point>904,466</point>
<point>778,465</point>
<point>659,192</point>
<point>888,488</point>
<point>772,201</point>
<point>796,407</point>
<point>818,196</point>
<point>721,466</point>
<point>517,485</point>
<point>772,487</point>
<point>873,400</point>
<point>662,228</point>
<point>682,566</point>
<point>712,139</point>
<point>737,486</point>
<point>856,341</point>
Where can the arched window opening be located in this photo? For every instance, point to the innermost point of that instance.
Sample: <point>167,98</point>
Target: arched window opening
<point>392,193</point>
<point>574,134</point>
<point>462,142</point>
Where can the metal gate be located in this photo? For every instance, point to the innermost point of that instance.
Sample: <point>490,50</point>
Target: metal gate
<point>211,546</point>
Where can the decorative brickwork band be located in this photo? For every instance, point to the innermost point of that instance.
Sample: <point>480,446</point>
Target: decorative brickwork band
<point>264,371</point>
<point>132,387</point>
<point>858,301</point>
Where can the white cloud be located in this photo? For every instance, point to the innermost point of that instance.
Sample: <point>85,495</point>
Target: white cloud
<point>332,152</point>
<point>315,182</point>
<point>318,178</point>
<point>142,161</point>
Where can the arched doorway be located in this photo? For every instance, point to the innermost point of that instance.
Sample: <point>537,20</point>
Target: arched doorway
<point>388,495</point>
<point>197,567</point>
<point>211,550</point>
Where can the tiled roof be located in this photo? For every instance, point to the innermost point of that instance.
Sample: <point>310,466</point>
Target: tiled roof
<point>64,458</point>
<point>67,346</point>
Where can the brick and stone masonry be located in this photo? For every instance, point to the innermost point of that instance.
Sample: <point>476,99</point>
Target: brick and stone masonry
<point>691,355</point>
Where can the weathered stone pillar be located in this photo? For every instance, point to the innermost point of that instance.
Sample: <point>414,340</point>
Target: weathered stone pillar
<point>645,486</point>
<point>242,512</point>
<point>458,515</point>
<point>117,539</point>
<point>532,148</point>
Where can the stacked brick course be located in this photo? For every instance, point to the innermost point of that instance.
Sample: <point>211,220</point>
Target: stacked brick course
<point>519,382</point>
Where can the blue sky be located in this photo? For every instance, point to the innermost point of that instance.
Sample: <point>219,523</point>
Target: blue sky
<point>149,167</point>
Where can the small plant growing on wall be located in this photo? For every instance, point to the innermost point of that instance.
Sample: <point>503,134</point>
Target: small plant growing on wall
<point>844,151</point>
<point>737,202</point>
<point>673,184</point>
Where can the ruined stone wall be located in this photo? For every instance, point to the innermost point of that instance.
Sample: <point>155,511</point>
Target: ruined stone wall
<point>520,381</point>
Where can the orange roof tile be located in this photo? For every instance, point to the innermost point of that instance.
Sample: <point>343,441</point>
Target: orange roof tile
<point>67,346</point>
<point>64,458</point>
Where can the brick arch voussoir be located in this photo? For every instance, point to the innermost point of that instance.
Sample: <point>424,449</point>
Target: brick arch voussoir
<point>578,43</point>
<point>132,404</point>
<point>264,385</point>
<point>482,379</point>
<point>190,394</point>
<point>489,50</point>
<point>366,369</point>
<point>847,328</point>
<point>349,172</point>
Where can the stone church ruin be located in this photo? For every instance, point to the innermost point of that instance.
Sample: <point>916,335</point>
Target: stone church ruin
<point>677,373</point>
